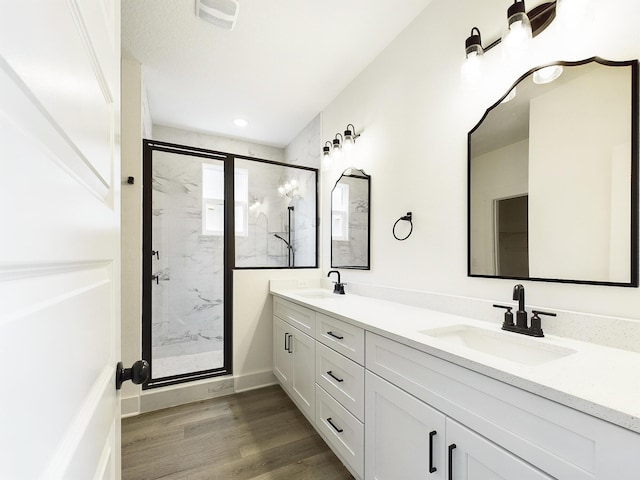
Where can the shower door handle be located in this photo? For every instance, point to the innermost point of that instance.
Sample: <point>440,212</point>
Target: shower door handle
<point>140,372</point>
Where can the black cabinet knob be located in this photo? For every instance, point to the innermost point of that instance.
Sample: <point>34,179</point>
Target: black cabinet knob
<point>140,372</point>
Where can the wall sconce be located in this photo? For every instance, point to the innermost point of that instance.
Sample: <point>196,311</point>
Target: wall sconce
<point>336,152</point>
<point>521,27</point>
<point>326,155</point>
<point>349,138</point>
<point>516,35</point>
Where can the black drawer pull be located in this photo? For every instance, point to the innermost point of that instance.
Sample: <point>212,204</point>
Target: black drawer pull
<point>335,336</point>
<point>452,447</point>
<point>339,430</point>
<point>289,347</point>
<point>286,337</point>
<point>330,373</point>
<point>432,469</point>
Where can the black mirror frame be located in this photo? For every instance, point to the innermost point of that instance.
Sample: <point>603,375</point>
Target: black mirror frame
<point>347,173</point>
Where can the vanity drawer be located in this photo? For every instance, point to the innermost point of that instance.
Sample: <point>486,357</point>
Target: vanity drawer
<point>342,378</point>
<point>304,319</point>
<point>343,432</point>
<point>343,337</point>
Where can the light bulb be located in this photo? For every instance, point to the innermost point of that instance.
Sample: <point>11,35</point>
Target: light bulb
<point>547,74</point>
<point>516,35</point>
<point>471,70</point>
<point>281,190</point>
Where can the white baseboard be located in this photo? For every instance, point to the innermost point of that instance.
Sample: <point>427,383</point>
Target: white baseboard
<point>170,396</point>
<point>253,381</point>
<point>129,406</point>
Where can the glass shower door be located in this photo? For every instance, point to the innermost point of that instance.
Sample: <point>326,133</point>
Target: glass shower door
<point>185,337</point>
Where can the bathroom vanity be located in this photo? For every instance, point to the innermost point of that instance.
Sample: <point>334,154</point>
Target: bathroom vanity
<point>400,392</point>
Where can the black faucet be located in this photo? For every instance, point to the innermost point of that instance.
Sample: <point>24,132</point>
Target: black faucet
<point>535,330</point>
<point>339,286</point>
<point>521,314</point>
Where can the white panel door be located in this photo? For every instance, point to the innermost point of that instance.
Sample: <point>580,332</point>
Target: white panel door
<point>59,238</point>
<point>472,457</point>
<point>282,352</point>
<point>404,437</point>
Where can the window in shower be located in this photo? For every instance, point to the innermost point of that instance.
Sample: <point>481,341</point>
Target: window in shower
<point>281,216</point>
<point>213,200</point>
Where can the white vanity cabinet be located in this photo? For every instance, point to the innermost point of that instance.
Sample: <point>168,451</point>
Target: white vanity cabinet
<point>407,439</point>
<point>500,431</point>
<point>393,412</point>
<point>294,354</point>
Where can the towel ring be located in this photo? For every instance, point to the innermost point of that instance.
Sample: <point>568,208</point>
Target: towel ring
<point>407,218</point>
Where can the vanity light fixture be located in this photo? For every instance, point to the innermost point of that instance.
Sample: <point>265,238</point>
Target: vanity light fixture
<point>547,74</point>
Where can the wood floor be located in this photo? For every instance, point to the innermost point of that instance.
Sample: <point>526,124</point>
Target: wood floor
<point>253,435</point>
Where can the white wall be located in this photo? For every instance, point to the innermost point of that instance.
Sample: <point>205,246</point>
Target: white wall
<point>415,114</point>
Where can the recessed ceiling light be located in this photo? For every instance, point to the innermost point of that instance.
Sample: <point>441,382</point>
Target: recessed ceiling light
<point>240,122</point>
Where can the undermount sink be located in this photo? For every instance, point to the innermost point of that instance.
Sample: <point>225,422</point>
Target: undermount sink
<point>317,294</point>
<point>512,347</point>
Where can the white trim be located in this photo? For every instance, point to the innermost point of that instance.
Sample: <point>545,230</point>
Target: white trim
<point>253,381</point>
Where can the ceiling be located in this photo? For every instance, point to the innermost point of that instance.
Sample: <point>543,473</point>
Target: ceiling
<point>283,63</point>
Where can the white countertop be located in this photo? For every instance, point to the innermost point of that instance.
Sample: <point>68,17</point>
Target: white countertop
<point>601,381</point>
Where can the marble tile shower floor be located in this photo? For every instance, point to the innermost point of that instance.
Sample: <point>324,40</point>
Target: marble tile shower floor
<point>194,362</point>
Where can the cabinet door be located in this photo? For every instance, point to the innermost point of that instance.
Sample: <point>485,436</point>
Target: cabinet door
<point>304,370</point>
<point>400,443</point>
<point>282,352</point>
<point>472,457</point>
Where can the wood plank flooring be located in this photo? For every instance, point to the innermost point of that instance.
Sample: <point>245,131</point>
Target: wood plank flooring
<point>258,435</point>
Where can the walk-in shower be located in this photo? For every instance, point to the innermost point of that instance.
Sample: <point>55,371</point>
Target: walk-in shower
<point>199,208</point>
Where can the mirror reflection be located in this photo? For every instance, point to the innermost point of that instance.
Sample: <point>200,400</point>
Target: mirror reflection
<point>553,177</point>
<point>350,217</point>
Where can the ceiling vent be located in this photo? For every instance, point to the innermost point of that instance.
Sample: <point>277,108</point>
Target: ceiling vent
<point>221,13</point>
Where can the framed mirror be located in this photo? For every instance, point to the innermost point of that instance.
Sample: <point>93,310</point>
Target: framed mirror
<point>553,177</point>
<point>350,219</point>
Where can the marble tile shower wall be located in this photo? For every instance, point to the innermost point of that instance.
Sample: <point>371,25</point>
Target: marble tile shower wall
<point>268,215</point>
<point>187,301</point>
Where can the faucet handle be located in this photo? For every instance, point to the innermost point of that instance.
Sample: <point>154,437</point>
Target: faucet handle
<point>508,315</point>
<point>536,324</point>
